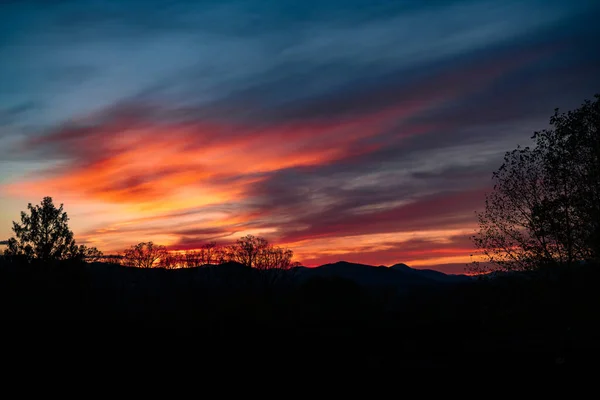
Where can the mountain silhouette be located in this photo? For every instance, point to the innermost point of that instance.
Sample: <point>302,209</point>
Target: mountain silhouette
<point>431,274</point>
<point>232,274</point>
<point>399,275</point>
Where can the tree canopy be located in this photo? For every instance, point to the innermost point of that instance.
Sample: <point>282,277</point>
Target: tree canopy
<point>257,252</point>
<point>544,209</point>
<point>44,235</point>
<point>145,255</point>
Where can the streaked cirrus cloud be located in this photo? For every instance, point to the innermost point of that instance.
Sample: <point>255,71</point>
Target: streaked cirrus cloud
<point>355,130</point>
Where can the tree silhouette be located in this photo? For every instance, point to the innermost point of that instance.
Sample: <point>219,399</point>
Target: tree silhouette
<point>43,234</point>
<point>193,258</point>
<point>84,253</point>
<point>274,258</point>
<point>171,261</point>
<point>144,255</point>
<point>209,252</point>
<point>248,249</point>
<point>545,206</point>
<point>256,252</point>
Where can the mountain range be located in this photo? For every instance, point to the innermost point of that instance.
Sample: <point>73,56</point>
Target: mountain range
<point>232,274</point>
<point>399,275</point>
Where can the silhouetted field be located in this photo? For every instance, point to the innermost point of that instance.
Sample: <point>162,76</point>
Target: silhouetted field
<point>227,311</point>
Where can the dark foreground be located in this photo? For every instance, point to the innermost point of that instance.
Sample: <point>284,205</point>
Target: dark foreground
<point>235,316</point>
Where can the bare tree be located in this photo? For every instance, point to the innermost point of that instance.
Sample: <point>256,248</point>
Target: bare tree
<point>88,254</point>
<point>272,257</point>
<point>545,206</point>
<point>210,252</point>
<point>275,265</point>
<point>144,255</point>
<point>221,255</point>
<point>113,259</point>
<point>247,250</point>
<point>193,258</point>
<point>171,261</point>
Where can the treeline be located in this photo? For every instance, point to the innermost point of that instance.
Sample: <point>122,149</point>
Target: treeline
<point>44,236</point>
<point>251,251</point>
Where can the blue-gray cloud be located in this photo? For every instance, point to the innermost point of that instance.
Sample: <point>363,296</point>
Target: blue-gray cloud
<point>76,57</point>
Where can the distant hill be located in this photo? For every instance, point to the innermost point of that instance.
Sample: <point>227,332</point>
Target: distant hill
<point>399,275</point>
<point>431,274</point>
<point>231,275</point>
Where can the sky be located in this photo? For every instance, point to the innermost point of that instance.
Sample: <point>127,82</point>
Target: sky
<point>364,131</point>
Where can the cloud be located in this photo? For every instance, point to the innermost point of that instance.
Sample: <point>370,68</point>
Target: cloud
<point>190,53</point>
<point>125,155</point>
<point>332,129</point>
<point>417,249</point>
<point>446,210</point>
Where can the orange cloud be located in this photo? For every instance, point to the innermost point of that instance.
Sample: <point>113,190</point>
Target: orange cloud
<point>169,167</point>
<point>184,183</point>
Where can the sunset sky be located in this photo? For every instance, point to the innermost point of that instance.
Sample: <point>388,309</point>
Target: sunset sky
<point>364,131</point>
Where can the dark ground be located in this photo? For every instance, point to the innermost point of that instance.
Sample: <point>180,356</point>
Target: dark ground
<point>232,316</point>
